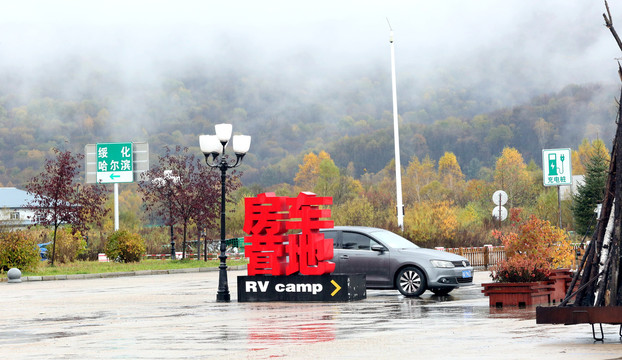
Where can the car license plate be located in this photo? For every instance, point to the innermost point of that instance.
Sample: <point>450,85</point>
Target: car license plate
<point>466,273</point>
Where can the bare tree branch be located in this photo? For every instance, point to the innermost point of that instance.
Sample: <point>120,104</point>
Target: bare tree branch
<point>609,25</point>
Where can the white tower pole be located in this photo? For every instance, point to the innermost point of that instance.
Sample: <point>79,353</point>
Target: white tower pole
<point>396,135</point>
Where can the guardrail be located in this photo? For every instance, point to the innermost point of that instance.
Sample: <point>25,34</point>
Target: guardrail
<point>479,256</point>
<point>489,255</point>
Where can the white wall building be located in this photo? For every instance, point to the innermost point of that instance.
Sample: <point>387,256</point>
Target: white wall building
<point>567,192</point>
<point>13,210</point>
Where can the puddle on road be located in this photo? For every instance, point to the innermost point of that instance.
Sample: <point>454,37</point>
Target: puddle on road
<point>256,326</point>
<point>385,311</point>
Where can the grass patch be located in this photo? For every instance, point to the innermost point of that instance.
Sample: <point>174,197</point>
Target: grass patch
<point>96,267</point>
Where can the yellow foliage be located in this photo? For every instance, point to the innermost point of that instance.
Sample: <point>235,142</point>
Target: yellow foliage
<point>431,221</point>
<point>511,175</point>
<point>418,175</point>
<point>309,171</point>
<point>448,165</point>
<point>587,150</point>
<point>68,245</point>
<point>577,165</point>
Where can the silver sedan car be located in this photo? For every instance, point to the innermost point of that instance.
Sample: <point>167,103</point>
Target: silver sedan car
<point>392,262</point>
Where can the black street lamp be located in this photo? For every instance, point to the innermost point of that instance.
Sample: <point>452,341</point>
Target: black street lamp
<point>213,147</point>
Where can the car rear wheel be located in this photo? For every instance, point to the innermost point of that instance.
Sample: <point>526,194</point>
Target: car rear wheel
<point>411,281</point>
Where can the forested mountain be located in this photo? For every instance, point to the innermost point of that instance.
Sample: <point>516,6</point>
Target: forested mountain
<point>349,116</point>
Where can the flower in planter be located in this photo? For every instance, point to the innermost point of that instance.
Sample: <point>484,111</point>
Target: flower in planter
<point>532,251</point>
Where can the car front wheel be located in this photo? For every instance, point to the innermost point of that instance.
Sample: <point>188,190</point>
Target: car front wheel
<point>411,282</point>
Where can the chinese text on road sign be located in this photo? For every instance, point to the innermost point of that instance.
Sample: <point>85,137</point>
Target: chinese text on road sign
<point>556,167</point>
<point>114,163</point>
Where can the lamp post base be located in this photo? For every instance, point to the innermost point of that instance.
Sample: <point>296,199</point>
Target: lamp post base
<point>223,284</point>
<point>223,297</point>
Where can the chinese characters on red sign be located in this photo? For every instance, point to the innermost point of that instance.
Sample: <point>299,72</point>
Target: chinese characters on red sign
<point>267,219</point>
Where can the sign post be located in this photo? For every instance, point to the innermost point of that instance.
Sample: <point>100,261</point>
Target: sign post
<point>115,163</point>
<point>499,198</point>
<point>557,171</point>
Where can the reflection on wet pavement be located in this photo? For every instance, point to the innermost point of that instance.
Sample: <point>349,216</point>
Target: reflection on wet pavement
<point>178,317</point>
<point>274,323</point>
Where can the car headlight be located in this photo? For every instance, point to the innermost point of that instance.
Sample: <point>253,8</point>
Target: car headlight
<point>441,263</point>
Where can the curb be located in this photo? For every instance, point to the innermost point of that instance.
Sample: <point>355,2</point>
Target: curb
<point>121,274</point>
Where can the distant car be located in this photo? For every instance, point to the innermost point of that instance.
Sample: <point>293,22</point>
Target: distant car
<point>392,262</point>
<point>43,250</point>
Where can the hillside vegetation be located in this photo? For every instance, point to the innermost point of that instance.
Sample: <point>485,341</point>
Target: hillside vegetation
<point>445,128</point>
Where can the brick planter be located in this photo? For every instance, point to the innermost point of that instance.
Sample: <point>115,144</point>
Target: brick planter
<point>518,294</point>
<point>560,279</point>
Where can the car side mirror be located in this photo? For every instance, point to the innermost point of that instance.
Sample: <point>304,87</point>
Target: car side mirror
<point>378,248</point>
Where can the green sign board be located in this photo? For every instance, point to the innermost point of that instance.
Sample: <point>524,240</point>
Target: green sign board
<point>556,167</point>
<point>114,163</point>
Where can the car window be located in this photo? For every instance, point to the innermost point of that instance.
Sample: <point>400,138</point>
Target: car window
<point>331,235</point>
<point>357,241</point>
<point>393,240</point>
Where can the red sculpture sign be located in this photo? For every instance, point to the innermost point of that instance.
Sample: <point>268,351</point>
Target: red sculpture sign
<point>271,252</point>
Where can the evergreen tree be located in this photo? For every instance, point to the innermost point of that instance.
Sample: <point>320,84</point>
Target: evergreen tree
<point>591,192</point>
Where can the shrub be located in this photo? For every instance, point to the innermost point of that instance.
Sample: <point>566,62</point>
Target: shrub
<point>124,246</point>
<point>69,245</point>
<point>521,269</point>
<point>18,250</point>
<point>532,251</point>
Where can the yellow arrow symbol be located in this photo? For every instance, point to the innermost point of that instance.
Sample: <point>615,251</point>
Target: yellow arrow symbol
<point>337,288</point>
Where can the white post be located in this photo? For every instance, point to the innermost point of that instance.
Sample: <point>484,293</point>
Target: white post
<point>116,206</point>
<point>396,135</point>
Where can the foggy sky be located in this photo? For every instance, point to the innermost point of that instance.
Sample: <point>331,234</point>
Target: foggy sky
<point>494,46</point>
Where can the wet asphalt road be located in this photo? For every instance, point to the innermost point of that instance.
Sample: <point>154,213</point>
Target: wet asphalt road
<point>177,317</point>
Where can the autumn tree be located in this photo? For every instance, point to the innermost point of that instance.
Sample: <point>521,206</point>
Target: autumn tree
<point>450,174</point>
<point>59,199</point>
<point>357,211</point>
<point>327,178</point>
<point>577,166</point>
<point>331,182</point>
<point>418,175</point>
<point>511,175</point>
<point>582,157</point>
<point>181,188</point>
<point>308,172</point>
<point>543,130</point>
<point>431,221</point>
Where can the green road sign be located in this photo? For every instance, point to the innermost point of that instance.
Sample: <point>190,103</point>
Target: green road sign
<point>114,163</point>
<point>556,167</point>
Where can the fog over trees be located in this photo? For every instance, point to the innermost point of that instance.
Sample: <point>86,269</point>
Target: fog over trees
<point>473,78</point>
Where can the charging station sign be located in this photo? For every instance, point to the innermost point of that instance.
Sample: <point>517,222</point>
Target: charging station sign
<point>557,167</point>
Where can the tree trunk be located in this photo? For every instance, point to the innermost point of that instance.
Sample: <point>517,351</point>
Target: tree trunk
<point>183,243</point>
<point>54,244</point>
